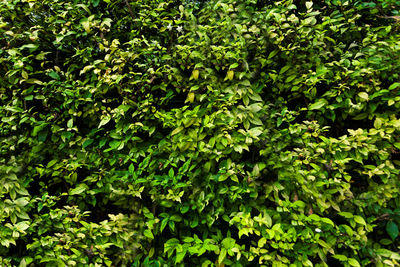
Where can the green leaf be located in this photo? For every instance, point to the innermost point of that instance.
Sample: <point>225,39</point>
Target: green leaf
<point>51,163</point>
<point>318,105</point>
<point>328,221</point>
<point>314,217</point>
<point>359,219</point>
<point>394,86</point>
<point>38,128</point>
<point>78,190</point>
<point>54,75</point>
<point>180,255</point>
<point>70,123</point>
<point>114,144</point>
<point>345,214</point>
<point>104,121</point>
<point>222,255</point>
<point>86,24</point>
<point>95,3</point>
<point>363,95</point>
<point>228,243</point>
<point>272,54</point>
<point>234,65</point>
<point>385,241</point>
<point>148,233</point>
<point>22,201</point>
<point>22,226</point>
<point>340,257</point>
<point>171,225</point>
<point>378,123</point>
<point>323,244</point>
<point>262,242</point>
<point>163,224</point>
<point>22,263</point>
<point>354,262</point>
<point>255,132</point>
<point>177,130</point>
<point>87,143</point>
<point>392,229</point>
<point>171,173</point>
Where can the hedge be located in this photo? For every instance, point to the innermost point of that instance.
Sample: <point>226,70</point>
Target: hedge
<point>199,133</point>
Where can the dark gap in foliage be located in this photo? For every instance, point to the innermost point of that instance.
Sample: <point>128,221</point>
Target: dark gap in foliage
<point>341,127</point>
<point>359,182</point>
<point>332,262</point>
<point>19,250</point>
<point>176,102</point>
<point>101,211</point>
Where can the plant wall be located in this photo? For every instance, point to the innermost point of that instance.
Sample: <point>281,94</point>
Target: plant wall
<point>199,133</point>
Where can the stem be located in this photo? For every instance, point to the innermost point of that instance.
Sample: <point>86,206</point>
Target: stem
<point>129,9</point>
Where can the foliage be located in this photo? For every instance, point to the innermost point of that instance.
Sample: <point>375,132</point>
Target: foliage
<point>199,133</point>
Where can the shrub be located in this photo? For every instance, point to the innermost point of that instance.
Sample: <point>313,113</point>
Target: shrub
<point>199,133</point>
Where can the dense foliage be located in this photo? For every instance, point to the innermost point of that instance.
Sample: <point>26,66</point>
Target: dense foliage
<point>199,133</point>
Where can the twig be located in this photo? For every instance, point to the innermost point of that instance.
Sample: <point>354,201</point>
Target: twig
<point>129,9</point>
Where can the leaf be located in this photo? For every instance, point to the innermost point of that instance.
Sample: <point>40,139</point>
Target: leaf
<point>87,143</point>
<point>309,4</point>
<point>262,242</point>
<point>318,105</point>
<point>177,130</point>
<point>195,74</point>
<point>256,107</point>
<point>354,262</point>
<point>190,97</point>
<point>171,225</point>
<point>222,255</point>
<point>36,81</point>
<point>54,75</point>
<point>86,24</point>
<point>255,132</point>
<point>22,226</point>
<point>38,128</point>
<point>363,95</point>
<point>394,86</point>
<point>31,47</point>
<point>51,163</point>
<point>272,54</point>
<point>340,257</point>
<point>70,123</point>
<point>359,219</point>
<point>95,3</point>
<point>22,263</point>
<point>22,201</point>
<point>378,123</point>
<point>328,221</point>
<point>78,190</point>
<point>314,217</point>
<point>230,74</point>
<point>345,214</point>
<point>148,233</point>
<point>228,243</point>
<point>114,144</point>
<point>104,121</point>
<point>234,65</point>
<point>392,229</point>
<point>284,69</point>
<point>323,244</point>
<point>180,256</point>
<point>385,241</point>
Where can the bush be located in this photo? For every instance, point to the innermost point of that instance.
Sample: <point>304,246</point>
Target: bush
<point>199,133</point>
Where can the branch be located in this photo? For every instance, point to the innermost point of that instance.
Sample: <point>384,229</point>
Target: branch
<point>129,8</point>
